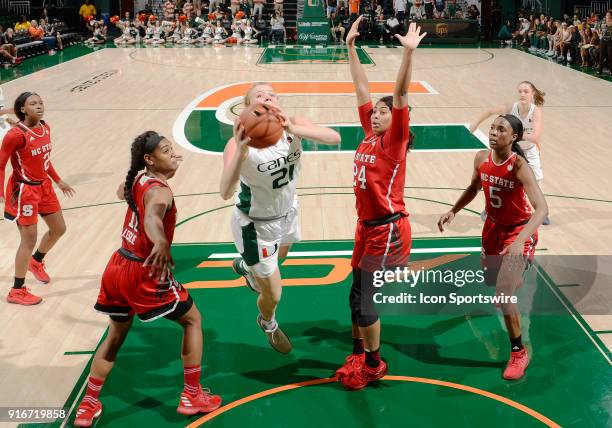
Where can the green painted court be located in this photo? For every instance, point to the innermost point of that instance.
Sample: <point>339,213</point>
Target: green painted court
<point>452,363</point>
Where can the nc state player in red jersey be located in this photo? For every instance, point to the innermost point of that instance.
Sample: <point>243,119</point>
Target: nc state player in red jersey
<point>510,232</point>
<point>29,192</point>
<point>382,235</point>
<point>137,278</point>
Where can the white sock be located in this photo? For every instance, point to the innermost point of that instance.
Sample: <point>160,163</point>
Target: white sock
<point>268,325</point>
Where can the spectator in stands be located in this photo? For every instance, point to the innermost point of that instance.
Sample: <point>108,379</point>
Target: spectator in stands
<point>188,9</point>
<point>277,24</point>
<point>336,28</point>
<point>562,37</point>
<point>576,20</point>
<point>234,7</point>
<point>605,43</point>
<point>23,25</point>
<point>49,31</point>
<point>452,9</point>
<point>278,6</point>
<point>197,5</point>
<point>399,7</point>
<point>36,33</point>
<point>353,10</point>
<point>7,47</point>
<point>504,34</point>
<point>393,27</point>
<point>570,47</point>
<point>244,11</point>
<point>429,9</point>
<point>330,7</point>
<point>439,9</point>
<point>473,12</point>
<point>417,10</point>
<point>258,7</point>
<point>169,9</point>
<point>520,35</point>
<point>86,11</point>
<point>587,44</point>
<point>593,19</point>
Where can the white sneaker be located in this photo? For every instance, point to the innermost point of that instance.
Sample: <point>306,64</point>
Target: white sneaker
<point>240,268</point>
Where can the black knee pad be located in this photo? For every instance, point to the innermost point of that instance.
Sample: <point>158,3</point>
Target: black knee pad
<point>363,312</point>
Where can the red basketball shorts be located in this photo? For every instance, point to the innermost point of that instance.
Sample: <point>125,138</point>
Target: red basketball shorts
<point>127,289</point>
<point>24,202</point>
<point>382,247</point>
<point>496,237</point>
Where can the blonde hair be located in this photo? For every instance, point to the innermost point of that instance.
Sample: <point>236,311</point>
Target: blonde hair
<point>538,96</point>
<point>247,101</point>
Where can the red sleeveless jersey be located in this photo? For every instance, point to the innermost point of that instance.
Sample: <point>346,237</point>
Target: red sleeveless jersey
<point>134,239</point>
<point>379,168</point>
<point>506,200</point>
<point>32,155</point>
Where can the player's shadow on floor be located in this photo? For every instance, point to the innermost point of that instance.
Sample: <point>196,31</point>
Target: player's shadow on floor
<point>416,342</point>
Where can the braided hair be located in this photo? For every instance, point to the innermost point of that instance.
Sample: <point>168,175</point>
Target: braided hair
<point>20,101</point>
<point>517,128</point>
<point>388,100</point>
<point>142,145</point>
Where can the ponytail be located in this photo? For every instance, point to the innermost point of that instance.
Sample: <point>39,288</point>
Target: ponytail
<point>538,96</point>
<point>517,128</point>
<point>142,145</point>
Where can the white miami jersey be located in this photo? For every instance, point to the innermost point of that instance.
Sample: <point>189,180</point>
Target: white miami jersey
<point>527,121</point>
<point>248,33</point>
<point>268,178</point>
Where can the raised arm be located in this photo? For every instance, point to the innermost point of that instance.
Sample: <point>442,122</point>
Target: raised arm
<point>235,153</point>
<point>538,126</point>
<point>360,80</point>
<point>498,109</point>
<point>410,42</point>
<point>157,201</point>
<point>468,194</point>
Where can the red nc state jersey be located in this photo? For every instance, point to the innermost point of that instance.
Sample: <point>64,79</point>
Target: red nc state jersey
<point>134,238</point>
<point>31,159</point>
<point>379,168</point>
<point>506,200</point>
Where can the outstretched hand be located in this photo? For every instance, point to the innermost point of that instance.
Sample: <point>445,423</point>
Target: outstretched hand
<point>412,38</point>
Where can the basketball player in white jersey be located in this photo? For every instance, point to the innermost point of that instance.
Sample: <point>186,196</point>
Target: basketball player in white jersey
<point>5,121</point>
<point>529,110</point>
<point>265,219</point>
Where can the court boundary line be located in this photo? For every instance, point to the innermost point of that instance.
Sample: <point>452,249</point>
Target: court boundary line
<point>590,333</point>
<point>272,391</point>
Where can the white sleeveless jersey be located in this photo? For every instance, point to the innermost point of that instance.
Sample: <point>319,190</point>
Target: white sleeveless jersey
<point>248,33</point>
<point>268,178</point>
<point>528,121</point>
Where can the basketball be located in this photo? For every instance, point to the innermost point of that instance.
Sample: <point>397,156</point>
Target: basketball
<point>261,125</point>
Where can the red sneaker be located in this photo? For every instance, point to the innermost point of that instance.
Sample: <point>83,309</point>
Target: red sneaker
<point>38,270</point>
<point>22,296</point>
<point>361,378</point>
<point>517,365</point>
<point>203,402</point>
<point>86,413</point>
<point>353,362</point>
